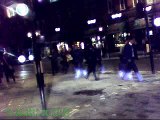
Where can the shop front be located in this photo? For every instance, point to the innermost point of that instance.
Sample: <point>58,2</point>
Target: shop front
<point>116,36</point>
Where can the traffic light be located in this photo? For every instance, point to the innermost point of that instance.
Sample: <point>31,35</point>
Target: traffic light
<point>140,12</point>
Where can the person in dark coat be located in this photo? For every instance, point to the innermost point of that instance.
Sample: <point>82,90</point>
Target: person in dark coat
<point>77,58</point>
<point>99,58</point>
<point>129,57</point>
<point>64,62</point>
<point>8,69</point>
<point>91,59</point>
<point>54,61</point>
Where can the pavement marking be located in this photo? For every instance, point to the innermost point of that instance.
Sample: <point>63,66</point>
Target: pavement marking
<point>73,112</point>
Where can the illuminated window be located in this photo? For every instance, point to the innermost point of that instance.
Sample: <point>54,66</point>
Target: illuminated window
<point>149,2</point>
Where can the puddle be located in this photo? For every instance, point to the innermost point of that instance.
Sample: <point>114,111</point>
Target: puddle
<point>89,92</point>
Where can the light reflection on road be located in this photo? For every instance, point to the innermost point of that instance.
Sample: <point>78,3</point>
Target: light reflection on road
<point>24,72</point>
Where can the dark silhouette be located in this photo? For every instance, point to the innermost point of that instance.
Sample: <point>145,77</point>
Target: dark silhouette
<point>7,67</point>
<point>91,59</point>
<point>64,62</point>
<point>129,55</point>
<point>78,58</point>
<point>54,62</point>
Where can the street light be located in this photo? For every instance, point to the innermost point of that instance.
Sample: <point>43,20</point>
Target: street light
<point>37,33</point>
<point>151,32</point>
<point>21,59</point>
<point>100,29</point>
<point>31,57</point>
<point>149,40</point>
<point>40,0</point>
<point>29,35</point>
<point>22,9</point>
<point>157,22</point>
<point>148,8</point>
<point>57,29</point>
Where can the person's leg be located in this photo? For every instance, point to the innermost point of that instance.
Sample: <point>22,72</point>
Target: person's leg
<point>94,72</point>
<point>127,72</point>
<point>13,77</point>
<point>52,65</point>
<point>135,69</point>
<point>7,77</point>
<point>88,72</point>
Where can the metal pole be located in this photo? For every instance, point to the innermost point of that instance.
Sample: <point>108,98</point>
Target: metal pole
<point>39,72</point>
<point>38,63</point>
<point>150,46</point>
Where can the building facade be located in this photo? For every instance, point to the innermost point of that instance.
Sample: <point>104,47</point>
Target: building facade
<point>129,24</point>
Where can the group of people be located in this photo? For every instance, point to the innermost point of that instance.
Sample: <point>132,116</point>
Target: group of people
<point>6,68</point>
<point>91,56</point>
<point>79,58</point>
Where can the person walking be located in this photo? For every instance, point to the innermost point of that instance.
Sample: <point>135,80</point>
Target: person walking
<point>54,61</point>
<point>8,69</point>
<point>78,61</point>
<point>129,57</point>
<point>91,59</point>
<point>99,59</point>
<point>64,62</point>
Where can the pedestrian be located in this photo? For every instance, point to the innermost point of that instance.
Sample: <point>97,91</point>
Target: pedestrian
<point>78,61</point>
<point>99,58</point>
<point>54,62</point>
<point>129,57</point>
<point>91,59</point>
<point>64,62</point>
<point>144,45</point>
<point>8,69</point>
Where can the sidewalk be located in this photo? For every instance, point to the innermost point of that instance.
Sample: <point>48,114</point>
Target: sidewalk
<point>87,99</point>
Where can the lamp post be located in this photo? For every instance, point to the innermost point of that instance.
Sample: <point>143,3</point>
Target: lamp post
<point>149,40</point>
<point>23,10</point>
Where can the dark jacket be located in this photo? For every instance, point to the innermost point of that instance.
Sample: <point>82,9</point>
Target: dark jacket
<point>128,52</point>
<point>91,56</point>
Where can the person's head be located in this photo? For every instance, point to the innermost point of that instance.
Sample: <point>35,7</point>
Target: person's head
<point>132,41</point>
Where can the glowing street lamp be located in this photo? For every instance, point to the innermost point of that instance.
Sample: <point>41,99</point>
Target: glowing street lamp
<point>29,34</point>
<point>148,8</point>
<point>151,32</point>
<point>57,29</point>
<point>31,57</point>
<point>157,22</point>
<point>21,59</point>
<point>100,29</point>
<point>40,0</point>
<point>37,33</point>
<point>22,9</point>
